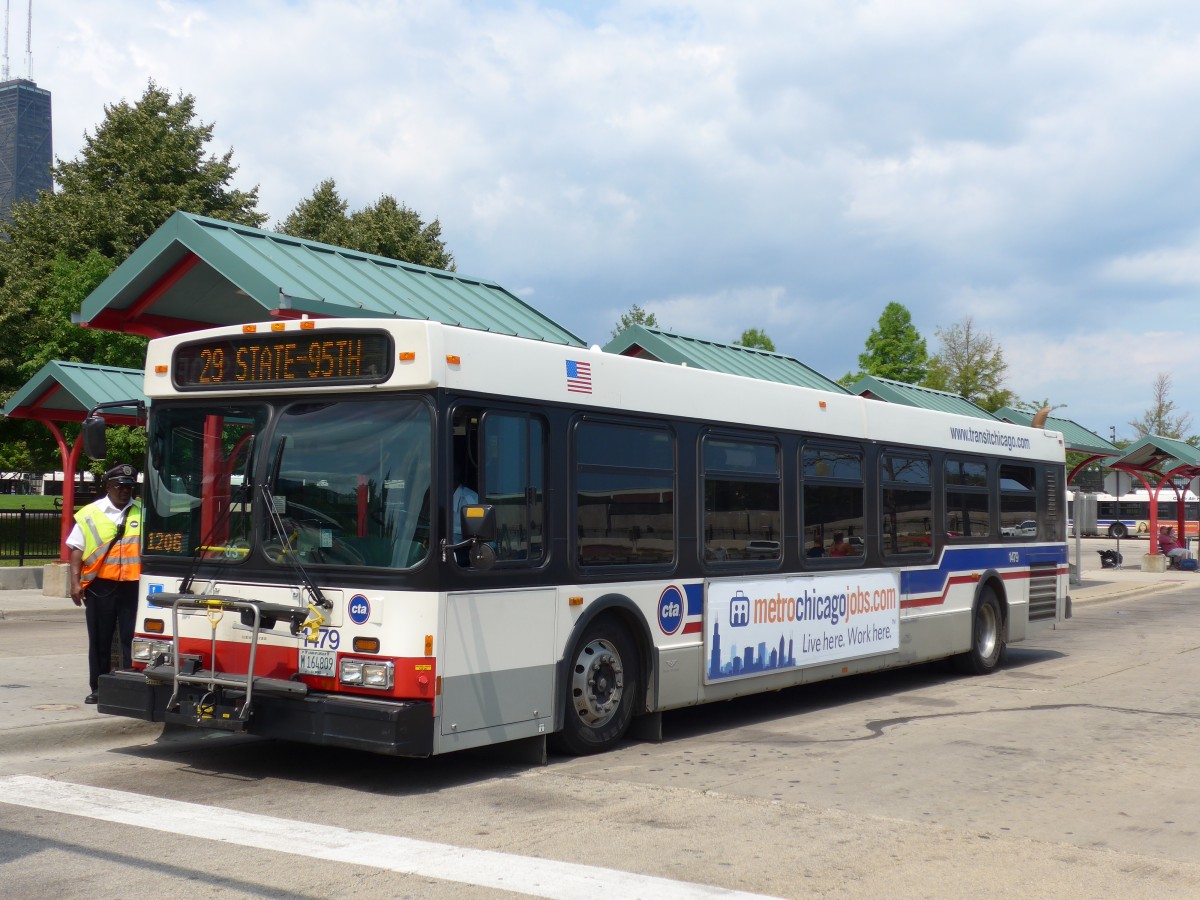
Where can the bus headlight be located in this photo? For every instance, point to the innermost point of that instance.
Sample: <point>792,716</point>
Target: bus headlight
<point>367,673</point>
<point>146,651</point>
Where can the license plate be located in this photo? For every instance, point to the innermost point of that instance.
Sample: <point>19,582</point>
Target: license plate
<point>317,662</point>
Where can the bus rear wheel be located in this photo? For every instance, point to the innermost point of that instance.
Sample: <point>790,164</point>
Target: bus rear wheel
<point>987,637</point>
<point>1117,530</point>
<point>601,687</point>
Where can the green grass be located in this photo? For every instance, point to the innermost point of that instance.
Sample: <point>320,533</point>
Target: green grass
<point>29,501</point>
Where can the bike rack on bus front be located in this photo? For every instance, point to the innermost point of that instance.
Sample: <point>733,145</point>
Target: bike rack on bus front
<point>208,715</point>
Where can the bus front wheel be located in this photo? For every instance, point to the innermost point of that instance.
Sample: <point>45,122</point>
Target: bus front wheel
<point>602,684</point>
<point>1117,530</point>
<point>987,637</point>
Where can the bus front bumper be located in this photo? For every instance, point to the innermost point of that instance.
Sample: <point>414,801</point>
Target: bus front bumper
<point>394,728</point>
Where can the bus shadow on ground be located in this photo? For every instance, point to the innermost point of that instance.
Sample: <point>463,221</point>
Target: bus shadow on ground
<point>757,709</point>
<point>239,758</point>
<point>242,758</point>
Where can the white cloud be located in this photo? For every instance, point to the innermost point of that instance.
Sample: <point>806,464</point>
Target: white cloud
<point>786,166</point>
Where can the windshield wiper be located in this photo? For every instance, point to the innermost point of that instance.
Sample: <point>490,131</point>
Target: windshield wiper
<point>281,531</point>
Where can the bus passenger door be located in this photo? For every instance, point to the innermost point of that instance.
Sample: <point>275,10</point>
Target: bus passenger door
<point>497,666</point>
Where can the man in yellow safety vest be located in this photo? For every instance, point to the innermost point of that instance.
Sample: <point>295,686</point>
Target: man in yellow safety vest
<point>105,547</point>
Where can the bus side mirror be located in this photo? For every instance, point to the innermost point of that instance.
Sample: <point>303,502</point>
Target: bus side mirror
<point>482,556</point>
<point>479,522</point>
<point>479,529</point>
<point>94,443</point>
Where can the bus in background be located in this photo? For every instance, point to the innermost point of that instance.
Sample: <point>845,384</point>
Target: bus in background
<point>1129,514</point>
<point>413,538</point>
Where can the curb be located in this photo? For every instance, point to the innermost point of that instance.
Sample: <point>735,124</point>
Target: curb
<point>48,613</point>
<point>73,733</point>
<point>1126,592</point>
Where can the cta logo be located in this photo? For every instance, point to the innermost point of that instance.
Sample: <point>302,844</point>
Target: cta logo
<point>739,610</point>
<point>359,609</point>
<point>670,610</point>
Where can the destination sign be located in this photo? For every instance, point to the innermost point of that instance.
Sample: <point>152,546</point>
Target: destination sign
<point>284,359</point>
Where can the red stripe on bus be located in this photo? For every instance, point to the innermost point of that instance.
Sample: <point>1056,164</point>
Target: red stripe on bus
<point>415,677</point>
<point>919,602</point>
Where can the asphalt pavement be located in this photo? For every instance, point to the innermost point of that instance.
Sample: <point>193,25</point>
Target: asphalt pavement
<point>41,697</point>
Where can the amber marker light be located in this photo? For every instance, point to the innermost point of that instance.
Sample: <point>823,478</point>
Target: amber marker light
<point>429,645</point>
<point>277,326</point>
<point>160,370</point>
<point>407,356</point>
<point>249,329</point>
<point>453,359</point>
<point>366,645</point>
<point>822,402</point>
<point>307,325</point>
<point>153,626</point>
<point>574,601</point>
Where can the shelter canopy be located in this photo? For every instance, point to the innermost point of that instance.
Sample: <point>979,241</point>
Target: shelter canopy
<point>68,391</point>
<point>1076,438</point>
<point>1154,453</point>
<point>914,395</point>
<point>196,272</point>
<point>731,359</point>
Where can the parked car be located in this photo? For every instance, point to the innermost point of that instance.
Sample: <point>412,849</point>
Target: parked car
<point>1028,528</point>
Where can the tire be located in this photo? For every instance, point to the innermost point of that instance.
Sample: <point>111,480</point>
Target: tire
<point>600,690</point>
<point>987,637</point>
<point>1118,530</point>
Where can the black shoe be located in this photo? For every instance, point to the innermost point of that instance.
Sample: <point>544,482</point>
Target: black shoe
<point>91,698</point>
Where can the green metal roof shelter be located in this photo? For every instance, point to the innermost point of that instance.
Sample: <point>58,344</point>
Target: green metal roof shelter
<point>1166,459</point>
<point>1077,438</point>
<point>195,272</point>
<point>915,395</point>
<point>67,392</point>
<point>732,359</point>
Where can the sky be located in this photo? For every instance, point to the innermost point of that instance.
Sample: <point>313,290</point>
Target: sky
<point>787,165</point>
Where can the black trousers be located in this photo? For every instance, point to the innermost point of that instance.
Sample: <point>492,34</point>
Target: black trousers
<point>110,606</point>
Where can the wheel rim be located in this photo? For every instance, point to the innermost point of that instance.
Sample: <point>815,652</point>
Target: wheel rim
<point>597,683</point>
<point>987,631</point>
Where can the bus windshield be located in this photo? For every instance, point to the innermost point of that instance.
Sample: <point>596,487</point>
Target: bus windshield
<point>328,483</point>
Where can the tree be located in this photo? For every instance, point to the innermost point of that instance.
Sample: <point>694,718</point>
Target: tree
<point>1161,418</point>
<point>753,337</point>
<point>385,228</point>
<point>390,229</point>
<point>970,364</point>
<point>322,217</point>
<point>635,316</point>
<point>142,163</point>
<point>894,349</point>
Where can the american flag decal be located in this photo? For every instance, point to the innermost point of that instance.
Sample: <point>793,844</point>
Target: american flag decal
<point>579,377</point>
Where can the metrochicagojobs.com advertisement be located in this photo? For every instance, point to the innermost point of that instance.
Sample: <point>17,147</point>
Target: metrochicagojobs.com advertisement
<point>758,627</point>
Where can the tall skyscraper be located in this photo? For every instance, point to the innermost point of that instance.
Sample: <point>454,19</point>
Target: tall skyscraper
<point>26,148</point>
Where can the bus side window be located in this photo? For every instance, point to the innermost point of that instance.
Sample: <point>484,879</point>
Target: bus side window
<point>513,483</point>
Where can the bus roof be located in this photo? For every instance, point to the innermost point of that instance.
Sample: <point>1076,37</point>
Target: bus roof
<point>432,355</point>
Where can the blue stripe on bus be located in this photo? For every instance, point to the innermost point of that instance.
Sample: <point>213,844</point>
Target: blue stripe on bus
<point>960,560</point>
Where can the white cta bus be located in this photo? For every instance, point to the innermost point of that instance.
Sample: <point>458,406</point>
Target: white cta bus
<point>412,538</point>
<point>1129,514</point>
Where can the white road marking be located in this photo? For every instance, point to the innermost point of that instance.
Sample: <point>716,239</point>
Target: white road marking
<point>486,868</point>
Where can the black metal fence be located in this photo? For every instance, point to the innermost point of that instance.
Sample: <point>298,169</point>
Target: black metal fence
<point>30,534</point>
